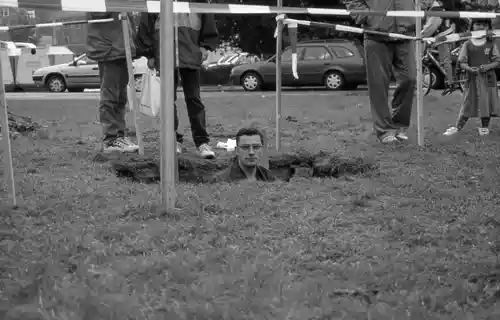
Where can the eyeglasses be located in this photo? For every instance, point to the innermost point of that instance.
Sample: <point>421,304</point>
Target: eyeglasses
<point>248,147</point>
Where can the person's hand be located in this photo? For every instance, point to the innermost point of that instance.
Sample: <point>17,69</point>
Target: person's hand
<point>204,54</point>
<point>482,68</point>
<point>473,70</point>
<point>152,63</point>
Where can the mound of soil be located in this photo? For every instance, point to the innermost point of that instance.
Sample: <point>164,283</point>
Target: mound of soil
<point>194,169</point>
<point>20,124</point>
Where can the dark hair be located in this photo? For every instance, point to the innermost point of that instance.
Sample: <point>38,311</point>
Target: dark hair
<point>249,132</point>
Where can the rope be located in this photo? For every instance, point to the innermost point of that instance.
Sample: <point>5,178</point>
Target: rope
<point>216,8</point>
<point>54,24</point>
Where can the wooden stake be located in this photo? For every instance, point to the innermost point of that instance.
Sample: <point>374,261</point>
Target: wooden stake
<point>418,57</point>
<point>279,102</point>
<point>167,135</point>
<point>7,149</point>
<point>132,99</point>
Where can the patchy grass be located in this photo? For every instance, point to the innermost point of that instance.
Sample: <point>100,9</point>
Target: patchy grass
<point>417,239</point>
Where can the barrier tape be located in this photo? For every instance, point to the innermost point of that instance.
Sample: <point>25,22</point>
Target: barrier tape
<point>54,24</point>
<point>293,24</point>
<point>455,37</point>
<point>216,8</point>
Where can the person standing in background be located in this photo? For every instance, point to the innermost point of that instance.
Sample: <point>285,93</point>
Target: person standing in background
<point>382,55</point>
<point>437,27</point>
<point>196,35</point>
<point>106,45</point>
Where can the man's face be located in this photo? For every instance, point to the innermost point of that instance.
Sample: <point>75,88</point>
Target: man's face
<point>249,150</point>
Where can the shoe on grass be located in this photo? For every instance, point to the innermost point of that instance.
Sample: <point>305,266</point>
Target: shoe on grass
<point>206,152</point>
<point>402,136</point>
<point>451,131</point>
<point>483,131</point>
<point>388,138</point>
<point>120,145</point>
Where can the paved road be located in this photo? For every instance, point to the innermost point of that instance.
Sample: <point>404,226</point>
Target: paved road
<point>94,96</point>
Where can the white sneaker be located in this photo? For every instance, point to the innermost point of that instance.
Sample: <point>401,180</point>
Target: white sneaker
<point>483,131</point>
<point>131,146</point>
<point>206,152</point>
<point>178,147</point>
<point>120,145</point>
<point>451,131</point>
<point>402,136</point>
<point>389,138</point>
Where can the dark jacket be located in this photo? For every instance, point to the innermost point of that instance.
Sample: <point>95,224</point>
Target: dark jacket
<point>401,25</point>
<point>234,173</point>
<point>195,31</point>
<point>105,40</point>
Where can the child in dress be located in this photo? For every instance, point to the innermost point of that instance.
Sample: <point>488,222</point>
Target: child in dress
<point>479,58</point>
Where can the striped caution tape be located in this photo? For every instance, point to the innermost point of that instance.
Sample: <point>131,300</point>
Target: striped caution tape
<point>293,24</point>
<point>455,37</point>
<point>54,24</point>
<point>187,7</point>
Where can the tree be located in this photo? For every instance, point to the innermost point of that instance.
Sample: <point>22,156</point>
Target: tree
<point>255,33</point>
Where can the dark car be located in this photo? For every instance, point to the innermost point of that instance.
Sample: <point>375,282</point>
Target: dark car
<point>217,73</point>
<point>336,64</point>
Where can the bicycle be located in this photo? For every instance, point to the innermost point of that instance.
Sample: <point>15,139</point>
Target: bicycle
<point>433,74</point>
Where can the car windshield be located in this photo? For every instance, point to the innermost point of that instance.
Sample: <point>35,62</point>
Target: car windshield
<point>227,58</point>
<point>81,57</point>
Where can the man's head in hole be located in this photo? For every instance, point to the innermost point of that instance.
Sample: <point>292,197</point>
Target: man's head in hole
<point>249,147</point>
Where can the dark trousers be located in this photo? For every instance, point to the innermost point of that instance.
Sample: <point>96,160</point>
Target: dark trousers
<point>445,61</point>
<point>196,110</point>
<point>381,57</point>
<point>113,98</point>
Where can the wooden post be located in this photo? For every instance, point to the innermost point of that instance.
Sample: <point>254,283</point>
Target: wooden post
<point>167,135</point>
<point>279,40</point>
<point>132,95</point>
<point>418,57</point>
<point>5,139</point>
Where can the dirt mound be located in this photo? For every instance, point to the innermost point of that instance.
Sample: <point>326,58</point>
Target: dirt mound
<point>194,169</point>
<point>21,125</point>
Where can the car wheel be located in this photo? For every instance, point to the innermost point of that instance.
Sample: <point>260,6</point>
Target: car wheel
<point>251,81</point>
<point>75,89</point>
<point>334,80</point>
<point>138,79</point>
<point>56,83</point>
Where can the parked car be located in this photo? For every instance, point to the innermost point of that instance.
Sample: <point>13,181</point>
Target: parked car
<point>77,75</point>
<point>336,64</point>
<point>218,72</point>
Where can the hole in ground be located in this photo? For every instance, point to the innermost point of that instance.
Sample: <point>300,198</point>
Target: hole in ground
<point>196,170</point>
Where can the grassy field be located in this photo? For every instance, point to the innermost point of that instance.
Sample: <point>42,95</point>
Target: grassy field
<point>418,238</point>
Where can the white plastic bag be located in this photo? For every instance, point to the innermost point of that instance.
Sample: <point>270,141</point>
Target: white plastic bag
<point>149,103</point>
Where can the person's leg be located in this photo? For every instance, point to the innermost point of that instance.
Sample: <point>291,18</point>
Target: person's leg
<point>196,111</point>
<point>178,136</point>
<point>405,71</point>
<point>461,122</point>
<point>485,123</point>
<point>113,97</point>
<point>378,56</point>
<point>121,108</point>
<point>445,60</point>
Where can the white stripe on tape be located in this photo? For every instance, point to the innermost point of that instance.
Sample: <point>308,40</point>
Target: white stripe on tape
<point>238,8</point>
<point>483,15</point>
<point>349,29</point>
<point>333,12</point>
<point>83,6</point>
<point>10,3</point>
<point>179,7</point>
<point>154,6</point>
<point>408,14</point>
